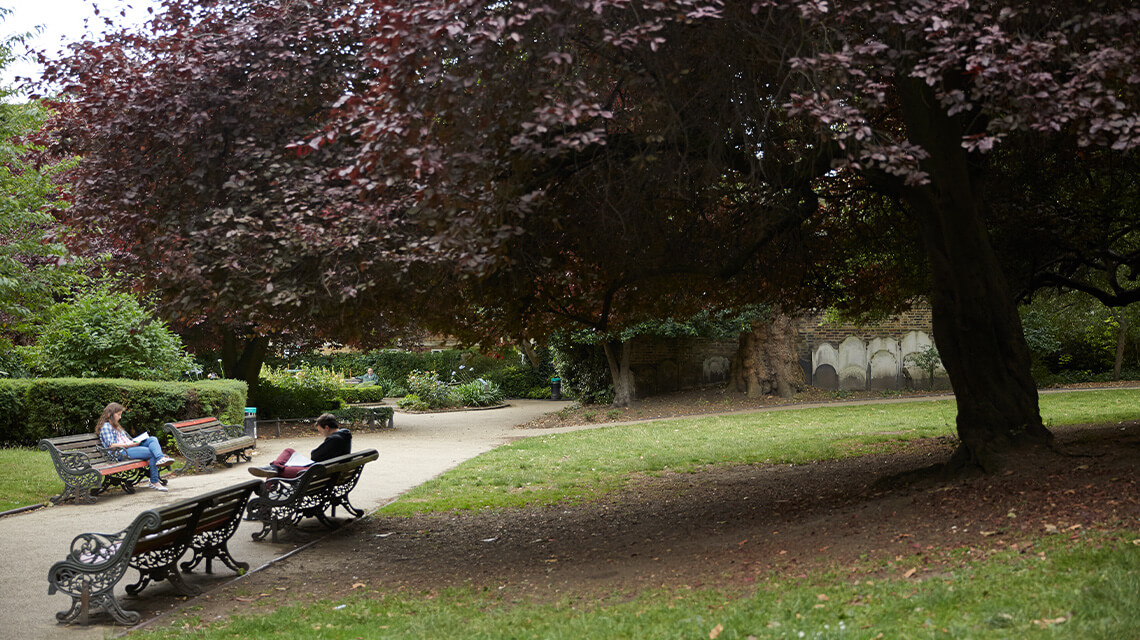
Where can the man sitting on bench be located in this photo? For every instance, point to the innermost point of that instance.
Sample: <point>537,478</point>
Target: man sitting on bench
<point>290,464</point>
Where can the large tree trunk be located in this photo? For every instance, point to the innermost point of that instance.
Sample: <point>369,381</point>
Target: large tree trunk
<point>620,372</point>
<point>1121,342</point>
<point>766,358</point>
<point>243,354</point>
<point>528,350</point>
<point>975,321</point>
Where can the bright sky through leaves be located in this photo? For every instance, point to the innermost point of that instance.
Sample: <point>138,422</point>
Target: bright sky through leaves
<point>55,23</point>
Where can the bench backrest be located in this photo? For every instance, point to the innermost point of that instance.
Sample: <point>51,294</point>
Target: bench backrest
<point>85,443</point>
<point>175,528</point>
<point>197,424</point>
<point>339,475</point>
<point>349,461</point>
<point>226,505</point>
<point>179,522</point>
<point>331,473</point>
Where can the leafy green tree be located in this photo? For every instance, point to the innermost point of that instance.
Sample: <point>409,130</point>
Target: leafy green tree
<point>1075,332</point>
<point>104,334</point>
<point>35,268</point>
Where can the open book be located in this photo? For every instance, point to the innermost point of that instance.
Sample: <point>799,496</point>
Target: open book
<point>298,460</point>
<point>140,437</point>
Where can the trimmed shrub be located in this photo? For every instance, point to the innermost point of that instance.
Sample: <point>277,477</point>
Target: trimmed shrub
<point>359,394</point>
<point>517,380</point>
<point>304,394</point>
<point>14,410</point>
<point>54,407</point>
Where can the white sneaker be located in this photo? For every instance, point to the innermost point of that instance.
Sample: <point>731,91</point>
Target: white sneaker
<point>158,487</point>
<point>165,460</point>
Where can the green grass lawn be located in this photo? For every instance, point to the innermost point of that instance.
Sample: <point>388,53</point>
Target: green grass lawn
<point>576,466</point>
<point>1085,591</point>
<point>580,465</point>
<point>27,477</point>
<point>1080,587</point>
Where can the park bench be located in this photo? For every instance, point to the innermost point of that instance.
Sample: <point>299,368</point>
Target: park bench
<point>152,544</point>
<point>204,441</point>
<point>86,468</point>
<point>323,487</point>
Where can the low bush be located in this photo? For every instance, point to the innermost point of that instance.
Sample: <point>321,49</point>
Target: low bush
<point>538,393</point>
<point>360,416</point>
<point>412,402</point>
<point>478,393</point>
<point>360,394</point>
<point>430,390</point>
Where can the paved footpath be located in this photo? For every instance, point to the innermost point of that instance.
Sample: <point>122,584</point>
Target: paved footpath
<point>421,447</point>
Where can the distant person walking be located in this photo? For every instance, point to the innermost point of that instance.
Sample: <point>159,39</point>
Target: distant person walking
<point>121,446</point>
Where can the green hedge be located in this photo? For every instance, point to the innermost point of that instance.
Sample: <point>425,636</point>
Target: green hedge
<point>361,394</point>
<point>50,407</point>
<point>354,417</point>
<point>518,381</point>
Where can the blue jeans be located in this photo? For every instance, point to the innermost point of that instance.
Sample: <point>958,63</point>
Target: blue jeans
<point>149,450</point>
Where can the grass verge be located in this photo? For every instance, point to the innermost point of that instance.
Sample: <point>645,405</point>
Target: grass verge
<point>27,477</point>
<point>1062,590</point>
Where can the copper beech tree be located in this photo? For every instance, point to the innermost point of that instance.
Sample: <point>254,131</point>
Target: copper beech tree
<point>187,181</point>
<point>598,162</point>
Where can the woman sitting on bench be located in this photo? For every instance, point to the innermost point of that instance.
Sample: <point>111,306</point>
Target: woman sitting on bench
<point>290,464</point>
<point>121,446</point>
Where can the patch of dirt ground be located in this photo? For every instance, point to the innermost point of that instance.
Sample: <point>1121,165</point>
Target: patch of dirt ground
<point>729,527</point>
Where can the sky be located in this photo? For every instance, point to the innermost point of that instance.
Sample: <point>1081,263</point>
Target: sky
<point>62,21</point>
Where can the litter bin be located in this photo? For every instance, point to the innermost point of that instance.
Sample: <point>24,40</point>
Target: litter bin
<point>556,388</point>
<point>250,422</point>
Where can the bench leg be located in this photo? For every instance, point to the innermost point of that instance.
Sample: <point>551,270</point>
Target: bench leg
<point>221,553</point>
<point>83,605</point>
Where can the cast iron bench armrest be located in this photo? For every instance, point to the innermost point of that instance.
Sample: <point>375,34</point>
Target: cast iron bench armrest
<point>94,565</point>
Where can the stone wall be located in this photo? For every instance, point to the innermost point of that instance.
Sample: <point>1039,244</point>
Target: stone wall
<point>851,357</point>
<point>834,356</point>
<point>662,365</point>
